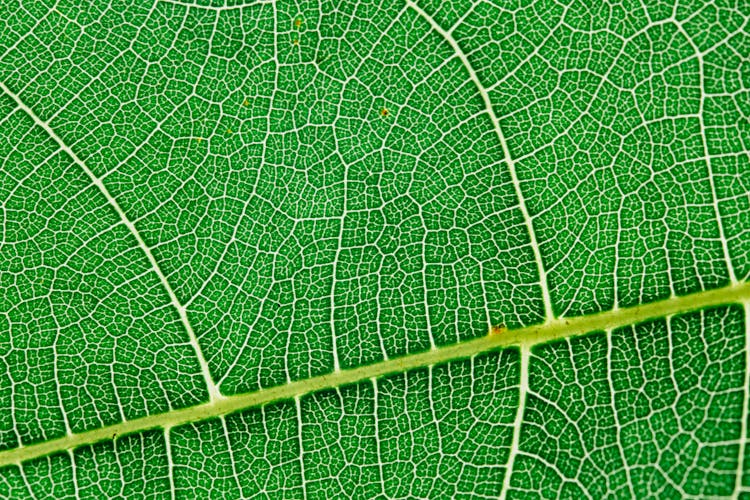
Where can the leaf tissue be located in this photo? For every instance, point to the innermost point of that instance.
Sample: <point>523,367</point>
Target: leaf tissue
<point>374,249</point>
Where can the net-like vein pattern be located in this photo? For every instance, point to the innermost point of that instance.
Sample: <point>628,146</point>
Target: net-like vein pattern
<point>322,186</point>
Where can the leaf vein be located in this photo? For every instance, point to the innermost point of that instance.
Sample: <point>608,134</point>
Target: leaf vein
<point>528,222</point>
<point>525,338</point>
<point>213,391</point>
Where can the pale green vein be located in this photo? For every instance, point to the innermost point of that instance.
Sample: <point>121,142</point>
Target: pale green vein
<point>523,337</point>
<point>523,390</point>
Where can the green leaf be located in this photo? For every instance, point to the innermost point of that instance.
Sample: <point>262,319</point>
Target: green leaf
<point>374,249</point>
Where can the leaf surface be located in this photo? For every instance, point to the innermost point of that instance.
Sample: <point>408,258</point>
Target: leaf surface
<point>374,249</point>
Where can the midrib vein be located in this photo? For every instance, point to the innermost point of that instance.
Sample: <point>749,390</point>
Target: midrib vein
<point>213,390</point>
<point>522,337</point>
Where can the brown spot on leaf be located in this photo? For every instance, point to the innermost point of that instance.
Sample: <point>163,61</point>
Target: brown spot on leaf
<point>498,329</point>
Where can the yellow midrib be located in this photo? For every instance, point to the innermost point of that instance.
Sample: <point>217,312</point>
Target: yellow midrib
<point>528,336</point>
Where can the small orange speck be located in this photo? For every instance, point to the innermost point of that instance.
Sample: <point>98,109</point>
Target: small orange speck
<point>498,329</point>
<point>229,131</point>
<point>384,112</point>
<point>298,22</point>
<point>295,42</point>
<point>245,103</point>
<point>199,139</point>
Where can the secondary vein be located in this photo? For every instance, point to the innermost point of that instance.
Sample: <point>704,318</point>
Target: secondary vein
<point>548,312</point>
<point>213,390</point>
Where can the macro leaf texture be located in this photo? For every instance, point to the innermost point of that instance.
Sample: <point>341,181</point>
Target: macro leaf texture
<point>374,249</point>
